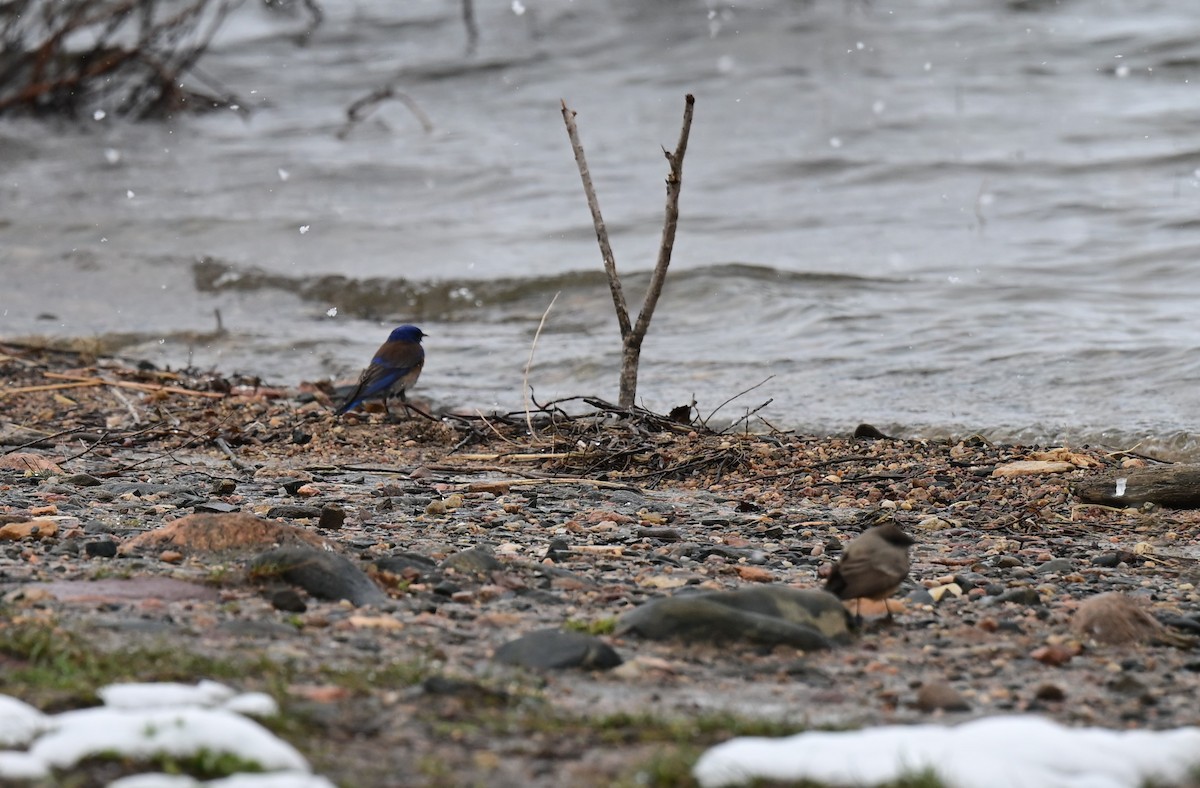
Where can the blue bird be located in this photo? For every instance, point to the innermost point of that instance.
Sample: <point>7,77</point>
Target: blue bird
<point>396,366</point>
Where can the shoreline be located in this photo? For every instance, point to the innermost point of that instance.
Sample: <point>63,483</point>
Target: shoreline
<point>596,516</point>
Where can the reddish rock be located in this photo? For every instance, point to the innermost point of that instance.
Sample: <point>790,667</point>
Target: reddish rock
<point>210,533</point>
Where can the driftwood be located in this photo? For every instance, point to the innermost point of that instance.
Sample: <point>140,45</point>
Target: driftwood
<point>1172,486</point>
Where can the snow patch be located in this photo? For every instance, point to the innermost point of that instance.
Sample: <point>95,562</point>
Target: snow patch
<point>993,752</point>
<point>142,721</point>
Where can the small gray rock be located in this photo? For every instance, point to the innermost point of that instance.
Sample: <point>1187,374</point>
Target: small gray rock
<point>1021,596</point>
<point>477,561</point>
<point>940,696</point>
<point>290,511</point>
<point>215,507</point>
<point>1055,566</point>
<point>555,649</point>
<point>771,615</point>
<point>558,550</point>
<point>104,548</point>
<point>403,563</point>
<point>323,574</point>
<point>332,517</point>
<point>288,600</point>
<point>920,596</point>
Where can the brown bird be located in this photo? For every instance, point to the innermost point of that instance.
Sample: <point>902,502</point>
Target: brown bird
<point>873,566</point>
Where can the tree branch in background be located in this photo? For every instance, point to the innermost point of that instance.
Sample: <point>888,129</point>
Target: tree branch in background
<point>633,335</point>
<point>468,17</point>
<point>358,111</point>
<point>126,57</point>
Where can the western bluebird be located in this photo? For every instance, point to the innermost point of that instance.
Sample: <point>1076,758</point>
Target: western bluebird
<point>396,366</point>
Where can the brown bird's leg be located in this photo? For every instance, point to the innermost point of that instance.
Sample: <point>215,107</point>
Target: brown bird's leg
<point>858,622</point>
<point>888,609</point>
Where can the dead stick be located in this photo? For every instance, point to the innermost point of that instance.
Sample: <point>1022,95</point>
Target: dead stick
<point>49,387</point>
<point>526,393</point>
<point>150,387</point>
<point>610,262</point>
<point>670,221</point>
<point>735,396</point>
<point>223,445</point>
<point>632,346</point>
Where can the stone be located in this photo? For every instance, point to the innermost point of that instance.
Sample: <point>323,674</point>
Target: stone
<point>217,533</point>
<point>940,696</point>
<point>224,487</point>
<point>323,574</point>
<point>406,565</point>
<point>291,511</point>
<point>31,529</point>
<point>332,517</point>
<point>477,561</point>
<point>1114,558</point>
<point>556,649</point>
<point>215,507</point>
<point>1057,566</point>
<point>1021,596</point>
<point>774,615</point>
<point>289,601</point>
<point>82,480</point>
<point>104,548</point>
<point>558,550</point>
<point>1050,693</point>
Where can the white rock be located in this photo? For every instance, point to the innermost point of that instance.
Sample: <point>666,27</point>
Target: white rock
<point>19,722</point>
<point>143,733</point>
<point>993,752</point>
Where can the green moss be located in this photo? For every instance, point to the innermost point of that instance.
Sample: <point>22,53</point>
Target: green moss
<point>105,767</point>
<point>392,675</point>
<point>600,626</point>
<point>108,572</point>
<point>56,668</point>
<point>666,768</point>
<point>714,727</point>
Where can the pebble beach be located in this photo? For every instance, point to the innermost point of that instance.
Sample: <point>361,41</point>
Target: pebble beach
<point>372,578</point>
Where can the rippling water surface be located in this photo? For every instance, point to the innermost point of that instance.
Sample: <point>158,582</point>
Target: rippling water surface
<point>937,216</point>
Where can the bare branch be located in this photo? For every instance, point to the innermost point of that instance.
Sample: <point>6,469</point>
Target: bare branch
<point>670,221</point>
<point>468,16</point>
<point>631,352</point>
<point>358,111</point>
<point>741,393</point>
<point>610,262</point>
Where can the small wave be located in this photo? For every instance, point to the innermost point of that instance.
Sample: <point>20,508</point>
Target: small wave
<point>379,298</point>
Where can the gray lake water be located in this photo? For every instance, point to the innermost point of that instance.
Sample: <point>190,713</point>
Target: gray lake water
<point>938,216</point>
